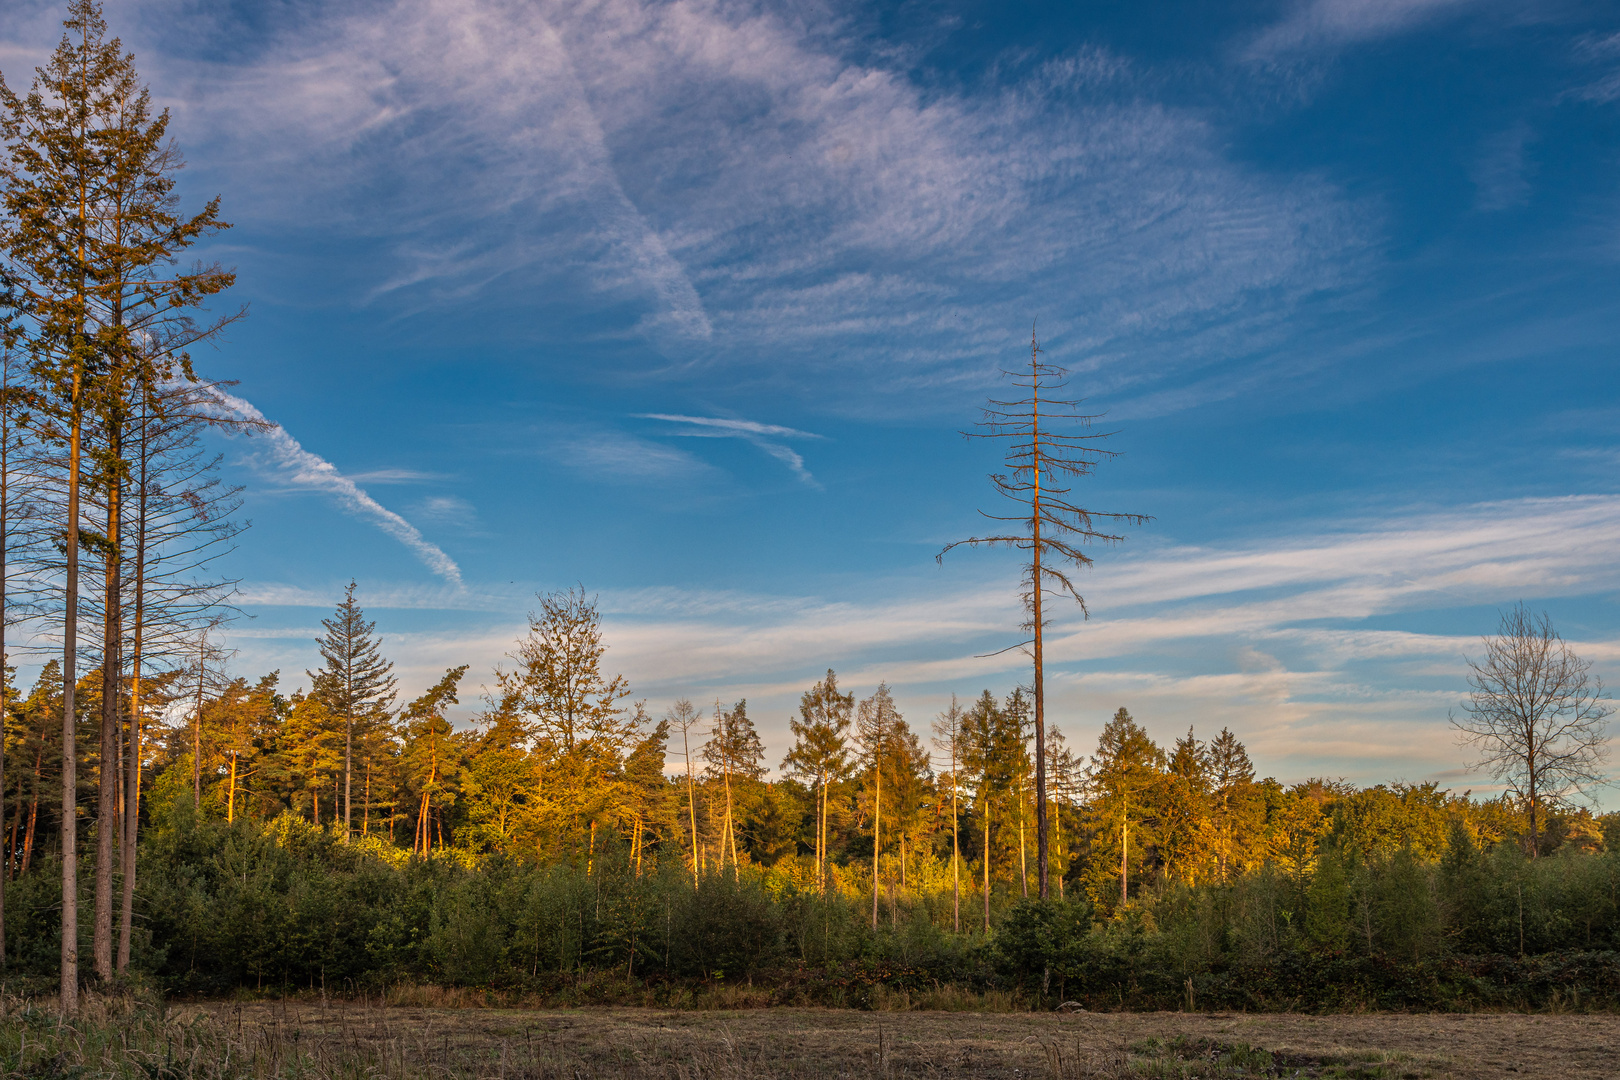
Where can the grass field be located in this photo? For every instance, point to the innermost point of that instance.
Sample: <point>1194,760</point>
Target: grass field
<point>813,1043</point>
<point>296,1040</point>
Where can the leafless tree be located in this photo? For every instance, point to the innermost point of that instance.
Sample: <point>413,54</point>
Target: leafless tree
<point>1049,443</point>
<point>1536,716</point>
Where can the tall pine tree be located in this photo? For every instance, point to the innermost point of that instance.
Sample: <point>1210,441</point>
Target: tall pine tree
<point>820,753</point>
<point>356,685</point>
<point>88,237</point>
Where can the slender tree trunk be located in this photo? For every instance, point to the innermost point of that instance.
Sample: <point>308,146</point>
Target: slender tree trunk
<point>877,818</point>
<point>1057,838</point>
<point>230,805</point>
<point>1040,671</point>
<point>956,846</point>
<point>196,732</point>
<point>1023,849</point>
<point>729,836</point>
<point>132,781</point>
<point>70,668</point>
<point>987,868</point>
<point>348,755</point>
<point>365,827</point>
<point>1124,852</point>
<point>1535,818</point>
<point>33,818</point>
<point>821,839</point>
<point>108,820</point>
<point>691,806</point>
<point>5,551</point>
<point>16,834</point>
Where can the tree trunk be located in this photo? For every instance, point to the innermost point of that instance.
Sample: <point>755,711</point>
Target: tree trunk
<point>1124,849</point>
<point>132,781</point>
<point>108,820</point>
<point>196,732</point>
<point>1023,849</point>
<point>5,507</point>
<point>33,819</point>
<point>691,808</point>
<point>1040,671</point>
<point>877,821</point>
<point>956,849</point>
<point>987,869</point>
<point>70,669</point>
<point>348,755</point>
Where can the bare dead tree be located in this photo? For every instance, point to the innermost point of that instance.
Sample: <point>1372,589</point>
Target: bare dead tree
<point>1049,443</point>
<point>1536,716</point>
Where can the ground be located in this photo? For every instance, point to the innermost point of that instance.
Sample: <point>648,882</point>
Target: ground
<point>813,1043</point>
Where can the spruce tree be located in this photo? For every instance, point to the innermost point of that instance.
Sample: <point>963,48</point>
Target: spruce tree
<point>875,722</point>
<point>356,685</point>
<point>820,752</point>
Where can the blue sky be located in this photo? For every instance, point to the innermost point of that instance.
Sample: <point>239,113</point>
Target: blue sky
<point>687,302</point>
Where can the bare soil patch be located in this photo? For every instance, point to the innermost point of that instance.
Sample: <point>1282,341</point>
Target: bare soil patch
<point>509,1044</point>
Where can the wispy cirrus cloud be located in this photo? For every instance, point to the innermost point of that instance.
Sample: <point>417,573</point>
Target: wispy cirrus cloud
<point>1286,639</point>
<point>764,436</point>
<point>737,182</point>
<point>1327,24</point>
<point>298,468</point>
<point>619,457</point>
<point>1269,637</point>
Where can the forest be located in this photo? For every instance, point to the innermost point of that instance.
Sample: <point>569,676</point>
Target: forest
<point>554,835</point>
<point>568,843</point>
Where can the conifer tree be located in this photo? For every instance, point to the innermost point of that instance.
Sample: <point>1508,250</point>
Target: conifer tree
<point>89,237</point>
<point>875,723</point>
<point>1184,834</point>
<point>1124,770</point>
<point>356,685</point>
<point>949,733</point>
<point>982,761</point>
<point>1048,444</point>
<point>820,753</point>
<point>1233,810</point>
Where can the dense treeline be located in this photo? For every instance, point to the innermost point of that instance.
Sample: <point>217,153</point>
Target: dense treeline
<point>565,832</point>
<point>285,905</point>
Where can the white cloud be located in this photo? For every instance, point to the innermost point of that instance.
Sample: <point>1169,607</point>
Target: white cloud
<point>1501,172</point>
<point>1268,637</point>
<point>617,457</point>
<point>753,432</point>
<point>1327,24</point>
<point>296,467</point>
<point>755,190</point>
<point>447,510</point>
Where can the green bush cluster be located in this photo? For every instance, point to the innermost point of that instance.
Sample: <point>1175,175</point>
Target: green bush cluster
<point>289,907</point>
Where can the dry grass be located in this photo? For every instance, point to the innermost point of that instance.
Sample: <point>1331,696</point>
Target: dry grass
<point>377,1040</point>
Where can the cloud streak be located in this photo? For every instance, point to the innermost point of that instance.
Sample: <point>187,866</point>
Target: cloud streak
<point>727,182</point>
<point>1327,24</point>
<point>299,468</point>
<point>750,431</point>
